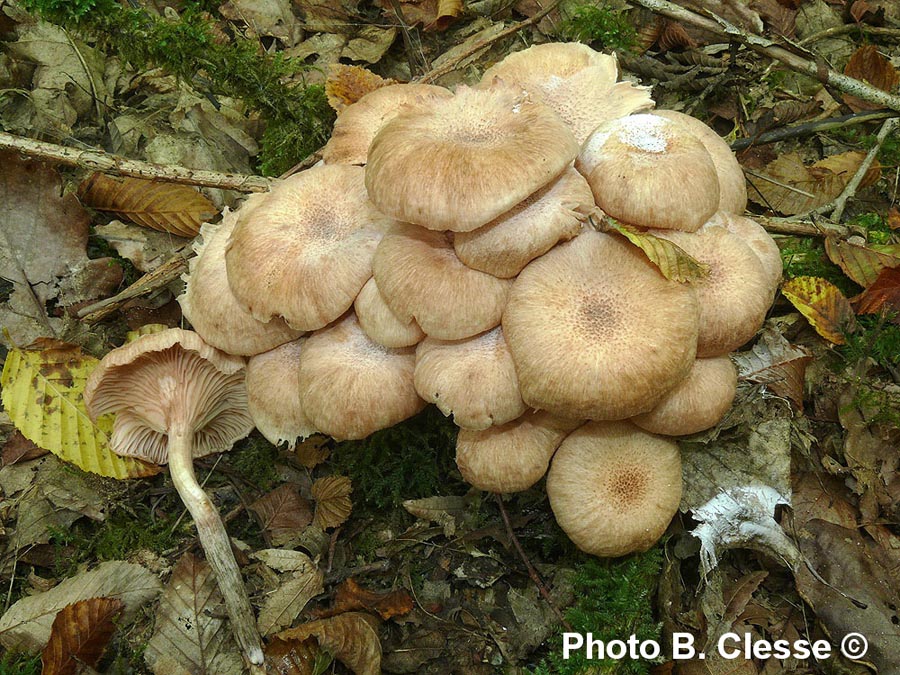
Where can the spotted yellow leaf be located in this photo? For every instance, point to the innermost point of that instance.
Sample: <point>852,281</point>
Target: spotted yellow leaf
<point>673,261</point>
<point>823,305</point>
<point>42,393</point>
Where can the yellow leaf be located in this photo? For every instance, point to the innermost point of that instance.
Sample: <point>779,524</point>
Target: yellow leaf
<point>823,305</point>
<point>42,393</point>
<point>860,263</point>
<point>673,261</point>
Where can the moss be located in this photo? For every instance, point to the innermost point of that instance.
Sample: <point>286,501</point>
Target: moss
<point>614,601</point>
<point>805,256</point>
<point>20,663</point>
<point>875,226</point>
<point>254,460</point>
<point>877,338</point>
<point>600,26</point>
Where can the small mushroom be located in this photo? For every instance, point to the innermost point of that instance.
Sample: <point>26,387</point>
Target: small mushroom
<point>613,488</point>
<point>379,321</point>
<point>755,236</point>
<point>175,399</point>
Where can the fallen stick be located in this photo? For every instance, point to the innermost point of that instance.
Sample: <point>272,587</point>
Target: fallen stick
<point>818,126</point>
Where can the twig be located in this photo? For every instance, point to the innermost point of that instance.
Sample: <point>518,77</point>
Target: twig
<point>407,39</point>
<point>453,64</point>
<point>97,160</point>
<point>771,180</point>
<point>835,31</point>
<point>818,126</point>
<point>817,69</point>
<point>798,226</point>
<point>542,589</point>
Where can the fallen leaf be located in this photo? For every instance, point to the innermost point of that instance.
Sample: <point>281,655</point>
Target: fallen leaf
<point>893,218</point>
<point>673,261</point>
<point>283,605</point>
<point>823,305</point>
<point>370,43</point>
<point>79,635</point>
<point>145,249</point>
<point>27,624</point>
<point>190,636</point>
<point>263,17</point>
<point>351,597</point>
<point>441,510</point>
<point>295,657</point>
<point>283,513</point>
<point>42,393</point>
<point>333,505</point>
<point>447,12</point>
<point>19,449</point>
<point>167,207</point>
<point>860,263</point>
<point>776,363</point>
<point>882,296</point>
<point>284,560</point>
<point>869,66</point>
<point>673,35</point>
<point>313,451</point>
<point>351,637</point>
<point>345,85</point>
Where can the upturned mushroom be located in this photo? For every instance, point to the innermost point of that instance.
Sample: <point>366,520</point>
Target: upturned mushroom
<point>175,399</point>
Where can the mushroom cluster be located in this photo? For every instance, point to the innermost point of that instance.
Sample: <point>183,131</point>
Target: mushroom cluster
<point>447,251</point>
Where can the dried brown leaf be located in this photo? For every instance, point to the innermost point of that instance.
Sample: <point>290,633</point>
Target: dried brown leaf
<point>351,597</point>
<point>860,263</point>
<point>285,603</point>
<point>168,207</point>
<point>882,296</point>
<point>79,635</point>
<point>673,35</point>
<point>868,65</point>
<point>333,504</point>
<point>776,363</point>
<point>292,657</point>
<point>345,85</point>
<point>824,306</point>
<point>19,449</point>
<point>447,12</point>
<point>893,218</point>
<point>313,451</point>
<point>283,513</point>
<point>352,638</point>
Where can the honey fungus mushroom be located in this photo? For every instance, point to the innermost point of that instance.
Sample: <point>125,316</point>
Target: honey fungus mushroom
<point>613,488</point>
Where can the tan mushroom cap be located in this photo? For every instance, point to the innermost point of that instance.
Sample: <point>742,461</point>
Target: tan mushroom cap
<point>352,387</point>
<point>539,63</point>
<point>380,323</point>
<point>165,380</point>
<point>357,125</point>
<point>473,379</point>
<point>596,332</point>
<point>273,395</point>
<point>736,295</point>
<point>698,402</point>
<point>531,228</point>
<point>209,304</point>
<point>755,236</point>
<point>306,251</point>
<point>513,456</point>
<point>648,171</point>
<point>732,184</point>
<point>458,163</point>
<point>421,278</point>
<point>613,488</point>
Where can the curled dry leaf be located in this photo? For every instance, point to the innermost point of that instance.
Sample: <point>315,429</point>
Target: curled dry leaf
<point>776,363</point>
<point>860,263</point>
<point>823,305</point>
<point>42,394</point>
<point>333,505</point>
<point>283,513</point>
<point>352,638</point>
<point>295,657</point>
<point>673,35</point>
<point>313,451</point>
<point>168,207</point>
<point>284,604</point>
<point>351,597</point>
<point>345,85</point>
<point>882,296</point>
<point>79,635</point>
<point>673,261</point>
<point>867,65</point>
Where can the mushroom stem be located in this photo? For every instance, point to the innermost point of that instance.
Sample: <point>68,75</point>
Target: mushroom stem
<point>216,546</point>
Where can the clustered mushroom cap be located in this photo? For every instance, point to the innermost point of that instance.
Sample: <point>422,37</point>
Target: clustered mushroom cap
<point>223,322</point>
<point>306,264</point>
<point>357,125</point>
<point>350,386</point>
<point>696,403</point>
<point>755,236</point>
<point>458,163</point>
<point>170,381</point>
<point>473,379</point>
<point>596,332</point>
<point>540,63</point>
<point>421,278</point>
<point>275,406</point>
<point>511,457</point>
<point>531,228</point>
<point>379,321</point>
<point>646,170</point>
<point>613,488</point>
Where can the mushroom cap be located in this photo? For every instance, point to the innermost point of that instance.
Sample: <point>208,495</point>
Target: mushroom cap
<point>458,163</point>
<point>755,236</point>
<point>540,63</point>
<point>596,332</point>
<point>649,171</point>
<point>209,304</point>
<point>736,295</point>
<point>473,379</point>
<point>306,251</point>
<point>698,402</point>
<point>357,125</point>
<point>613,488</point>
<point>732,184</point>
<point>511,457</point>
<point>352,387</point>
<point>273,395</point>
<point>531,228</point>
<point>421,278</point>
<point>168,380</point>
<point>380,323</point>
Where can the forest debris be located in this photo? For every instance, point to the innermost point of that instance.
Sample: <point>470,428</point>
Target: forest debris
<point>351,597</point>
<point>883,296</point>
<point>296,657</point>
<point>369,44</point>
<point>272,18</point>
<point>284,604</point>
<point>26,625</point>
<point>351,637</point>
<point>818,495</point>
<point>283,514</point>
<point>19,449</point>
<point>146,249</point>
<point>860,263</point>
<point>823,305</point>
<point>313,451</point>
<point>445,511</point>
<point>333,505</point>
<point>776,363</point>
<point>868,65</point>
<point>79,635</point>
<point>345,85</point>
<point>190,637</point>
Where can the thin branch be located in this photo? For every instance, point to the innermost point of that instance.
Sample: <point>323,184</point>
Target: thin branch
<point>836,31</point>
<point>97,160</point>
<point>798,226</point>
<point>809,128</point>
<point>814,68</point>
